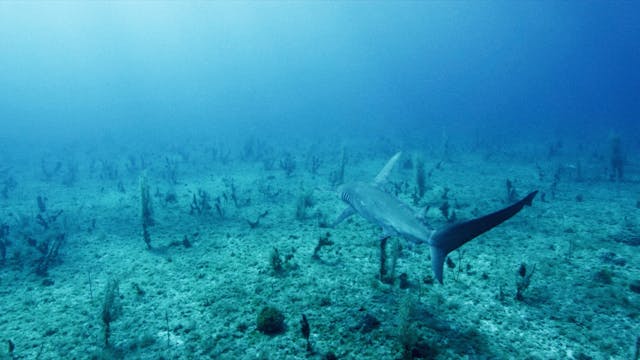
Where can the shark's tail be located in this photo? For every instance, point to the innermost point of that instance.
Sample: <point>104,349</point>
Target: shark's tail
<point>452,237</point>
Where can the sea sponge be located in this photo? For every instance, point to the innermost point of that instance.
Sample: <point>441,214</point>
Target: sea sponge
<point>270,321</point>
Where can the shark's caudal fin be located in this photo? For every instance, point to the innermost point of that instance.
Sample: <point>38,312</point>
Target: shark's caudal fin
<point>452,237</point>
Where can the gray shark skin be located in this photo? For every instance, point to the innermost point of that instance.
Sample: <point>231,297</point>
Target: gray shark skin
<point>397,219</point>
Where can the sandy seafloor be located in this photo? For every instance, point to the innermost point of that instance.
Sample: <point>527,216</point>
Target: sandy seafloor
<point>202,302</point>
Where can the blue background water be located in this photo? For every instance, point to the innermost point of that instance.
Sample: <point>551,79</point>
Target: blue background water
<point>523,71</point>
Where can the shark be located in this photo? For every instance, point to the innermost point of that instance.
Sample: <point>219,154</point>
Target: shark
<point>370,201</point>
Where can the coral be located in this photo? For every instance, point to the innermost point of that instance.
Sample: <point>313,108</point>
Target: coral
<point>110,309</point>
<point>407,335</point>
<point>604,276</point>
<point>304,202</point>
<point>50,249</point>
<point>254,224</point>
<point>387,276</point>
<point>278,265</point>
<point>314,164</point>
<point>200,203</point>
<point>512,194</point>
<point>616,158</point>
<point>322,241</point>
<point>449,215</point>
<point>171,170</point>
<point>270,321</point>
<point>275,261</point>
<point>367,324</point>
<point>147,210</point>
<point>288,164</point>
<point>336,177</point>
<point>305,329</point>
<point>523,280</point>
<point>420,178</point>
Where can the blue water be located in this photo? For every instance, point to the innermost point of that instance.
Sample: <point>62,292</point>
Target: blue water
<point>566,69</point>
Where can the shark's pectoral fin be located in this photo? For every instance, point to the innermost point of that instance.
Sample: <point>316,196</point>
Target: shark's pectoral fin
<point>345,214</point>
<point>452,237</point>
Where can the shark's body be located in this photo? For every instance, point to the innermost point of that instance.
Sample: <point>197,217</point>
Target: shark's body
<point>379,207</point>
<point>385,210</point>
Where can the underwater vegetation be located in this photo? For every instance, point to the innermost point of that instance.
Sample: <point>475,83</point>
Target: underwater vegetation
<point>239,256</point>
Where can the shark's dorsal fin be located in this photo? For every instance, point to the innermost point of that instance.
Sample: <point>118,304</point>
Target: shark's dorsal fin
<point>384,173</point>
